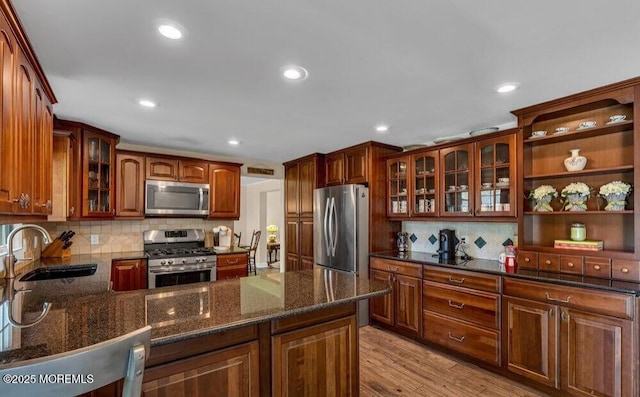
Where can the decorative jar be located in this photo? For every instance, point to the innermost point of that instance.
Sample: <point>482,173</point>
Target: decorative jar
<point>578,232</point>
<point>575,162</point>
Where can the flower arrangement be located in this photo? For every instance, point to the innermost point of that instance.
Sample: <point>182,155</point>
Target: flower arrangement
<point>576,194</point>
<point>615,193</point>
<point>542,196</point>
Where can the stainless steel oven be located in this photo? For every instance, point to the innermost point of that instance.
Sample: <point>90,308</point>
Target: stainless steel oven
<point>178,257</point>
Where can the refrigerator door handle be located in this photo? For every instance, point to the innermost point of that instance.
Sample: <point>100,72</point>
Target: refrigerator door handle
<point>334,232</point>
<point>327,215</point>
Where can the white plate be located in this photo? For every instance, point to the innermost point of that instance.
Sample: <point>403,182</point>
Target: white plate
<point>481,131</point>
<point>586,128</point>
<point>502,184</point>
<point>536,136</point>
<point>616,122</point>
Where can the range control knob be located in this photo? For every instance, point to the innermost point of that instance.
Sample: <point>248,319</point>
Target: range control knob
<point>184,261</point>
<point>162,263</point>
<point>170,262</point>
<point>197,260</point>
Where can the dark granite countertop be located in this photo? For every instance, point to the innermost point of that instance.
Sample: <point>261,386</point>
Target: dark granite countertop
<point>494,267</point>
<point>230,250</point>
<point>84,311</point>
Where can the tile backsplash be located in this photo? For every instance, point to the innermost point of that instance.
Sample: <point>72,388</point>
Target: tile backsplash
<point>121,235</point>
<point>486,240</point>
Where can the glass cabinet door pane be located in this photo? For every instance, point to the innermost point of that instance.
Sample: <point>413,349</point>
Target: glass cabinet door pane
<point>462,159</point>
<point>502,154</point>
<point>486,156</point>
<point>105,152</point>
<point>94,149</point>
<point>450,162</point>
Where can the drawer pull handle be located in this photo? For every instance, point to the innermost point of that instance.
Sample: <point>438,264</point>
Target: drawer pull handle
<point>459,340</point>
<point>556,299</point>
<point>570,264</point>
<point>453,280</point>
<point>624,270</point>
<point>460,306</point>
<point>232,262</point>
<point>548,262</point>
<point>527,260</point>
<point>394,269</point>
<point>596,267</point>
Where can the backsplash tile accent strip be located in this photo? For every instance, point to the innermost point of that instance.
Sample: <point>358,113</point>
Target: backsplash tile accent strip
<point>413,238</point>
<point>494,234</point>
<point>122,235</point>
<point>480,242</point>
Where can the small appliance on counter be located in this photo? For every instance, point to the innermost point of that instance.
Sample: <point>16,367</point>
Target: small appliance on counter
<point>447,249</point>
<point>403,238</point>
<point>223,237</point>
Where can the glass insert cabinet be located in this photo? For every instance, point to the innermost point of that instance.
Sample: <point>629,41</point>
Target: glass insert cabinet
<point>99,159</point>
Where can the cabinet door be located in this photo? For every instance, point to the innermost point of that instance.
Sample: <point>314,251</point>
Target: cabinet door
<point>308,173</point>
<point>356,166</point>
<point>291,181</point>
<point>382,307</point>
<point>531,330</point>
<point>597,354</point>
<point>224,193</point>
<point>424,189</point>
<point>495,182</point>
<point>129,274</point>
<point>397,187</point>
<point>24,135</point>
<point>292,248</point>
<point>408,304</point>
<point>456,181</point>
<point>162,169</point>
<point>306,243</point>
<point>232,372</point>
<point>334,169</point>
<point>130,189</point>
<point>98,184</point>
<point>7,153</point>
<point>320,360</point>
<point>193,171</point>
<point>43,154</point>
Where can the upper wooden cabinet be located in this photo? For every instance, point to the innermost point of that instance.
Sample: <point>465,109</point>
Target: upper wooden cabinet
<point>347,166</point>
<point>398,186</point>
<point>177,169</point>
<point>130,184</point>
<point>611,150</point>
<point>301,177</point>
<point>224,182</point>
<point>26,136</point>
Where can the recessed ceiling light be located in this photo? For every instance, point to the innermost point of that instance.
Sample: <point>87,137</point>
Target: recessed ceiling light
<point>233,142</point>
<point>294,72</point>
<point>147,103</point>
<point>170,32</point>
<point>382,128</point>
<point>506,87</point>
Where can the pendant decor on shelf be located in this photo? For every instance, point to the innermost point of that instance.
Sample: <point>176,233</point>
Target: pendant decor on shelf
<point>576,195</point>
<point>542,196</point>
<point>575,162</point>
<point>615,193</point>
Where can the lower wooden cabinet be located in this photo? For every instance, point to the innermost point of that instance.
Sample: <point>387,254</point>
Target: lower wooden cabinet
<point>129,274</point>
<point>579,352</point>
<point>232,266</point>
<point>402,309</point>
<point>320,360</point>
<point>230,372</point>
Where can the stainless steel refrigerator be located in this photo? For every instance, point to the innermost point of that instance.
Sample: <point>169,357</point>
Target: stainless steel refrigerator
<point>341,232</point>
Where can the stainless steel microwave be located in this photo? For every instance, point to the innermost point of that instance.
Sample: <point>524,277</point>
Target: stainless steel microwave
<point>176,198</point>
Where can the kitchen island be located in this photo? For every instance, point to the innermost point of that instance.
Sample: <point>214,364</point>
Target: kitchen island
<point>290,333</point>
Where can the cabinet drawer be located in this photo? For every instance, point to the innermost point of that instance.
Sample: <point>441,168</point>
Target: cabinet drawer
<point>571,264</point>
<point>460,278</point>
<point>625,270</point>
<point>461,303</point>
<point>398,267</point>
<point>527,259</point>
<point>473,341</point>
<point>597,267</point>
<point>233,271</point>
<point>232,260</point>
<point>592,301</point>
<point>549,262</point>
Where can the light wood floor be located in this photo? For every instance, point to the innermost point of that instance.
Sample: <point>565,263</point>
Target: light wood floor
<point>391,365</point>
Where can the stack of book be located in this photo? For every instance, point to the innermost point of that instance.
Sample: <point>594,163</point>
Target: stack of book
<point>597,245</point>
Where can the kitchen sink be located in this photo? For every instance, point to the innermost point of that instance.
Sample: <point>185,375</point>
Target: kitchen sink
<point>63,271</point>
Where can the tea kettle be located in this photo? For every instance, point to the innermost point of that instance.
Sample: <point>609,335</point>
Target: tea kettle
<point>402,241</point>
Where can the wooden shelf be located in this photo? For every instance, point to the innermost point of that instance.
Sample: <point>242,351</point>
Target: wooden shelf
<point>565,174</point>
<point>602,253</point>
<point>572,213</point>
<point>584,133</point>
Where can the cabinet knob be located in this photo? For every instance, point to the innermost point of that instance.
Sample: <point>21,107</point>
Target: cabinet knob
<point>596,267</point>
<point>548,262</point>
<point>563,315</point>
<point>624,270</point>
<point>527,260</point>
<point>72,210</point>
<point>570,264</point>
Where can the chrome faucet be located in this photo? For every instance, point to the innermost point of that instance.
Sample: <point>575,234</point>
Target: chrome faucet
<point>10,259</point>
<point>10,294</point>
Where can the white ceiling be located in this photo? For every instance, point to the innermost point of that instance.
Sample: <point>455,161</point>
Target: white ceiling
<point>427,68</point>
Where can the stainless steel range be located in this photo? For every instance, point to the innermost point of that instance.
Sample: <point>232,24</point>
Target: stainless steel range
<point>178,257</point>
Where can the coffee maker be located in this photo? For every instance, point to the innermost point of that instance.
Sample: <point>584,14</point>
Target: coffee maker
<point>447,250</point>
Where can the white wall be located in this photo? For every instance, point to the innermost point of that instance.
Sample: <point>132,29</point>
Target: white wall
<point>261,203</point>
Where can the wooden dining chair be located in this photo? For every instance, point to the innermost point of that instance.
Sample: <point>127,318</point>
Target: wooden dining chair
<point>253,248</point>
<point>109,361</point>
<point>238,236</point>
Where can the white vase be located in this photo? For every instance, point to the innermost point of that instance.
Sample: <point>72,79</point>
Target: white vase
<point>575,162</point>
